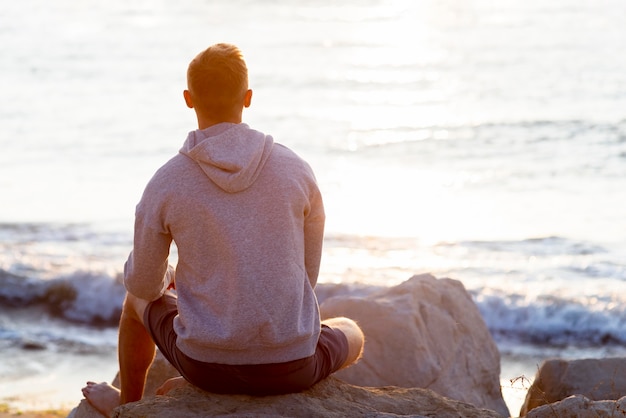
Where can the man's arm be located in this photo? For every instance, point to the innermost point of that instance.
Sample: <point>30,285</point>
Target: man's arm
<point>147,273</point>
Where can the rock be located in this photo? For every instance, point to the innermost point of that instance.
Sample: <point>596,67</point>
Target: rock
<point>580,406</point>
<point>33,345</point>
<point>329,398</point>
<point>160,371</point>
<point>84,410</point>
<point>595,379</point>
<point>425,333</point>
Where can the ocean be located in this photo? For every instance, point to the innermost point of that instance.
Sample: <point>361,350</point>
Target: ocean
<point>477,140</point>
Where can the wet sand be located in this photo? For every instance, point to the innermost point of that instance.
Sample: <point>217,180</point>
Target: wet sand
<point>42,414</point>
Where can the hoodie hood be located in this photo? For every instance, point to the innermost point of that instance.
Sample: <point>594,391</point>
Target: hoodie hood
<point>231,155</point>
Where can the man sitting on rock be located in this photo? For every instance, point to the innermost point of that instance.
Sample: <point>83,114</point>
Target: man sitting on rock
<point>247,218</point>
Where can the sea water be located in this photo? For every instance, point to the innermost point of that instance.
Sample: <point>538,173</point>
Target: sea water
<point>478,140</point>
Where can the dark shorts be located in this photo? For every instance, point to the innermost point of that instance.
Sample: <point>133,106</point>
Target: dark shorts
<point>256,379</point>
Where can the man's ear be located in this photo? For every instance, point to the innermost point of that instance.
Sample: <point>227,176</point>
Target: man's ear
<point>247,100</point>
<point>188,101</point>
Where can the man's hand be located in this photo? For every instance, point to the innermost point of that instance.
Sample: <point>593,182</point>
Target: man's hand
<point>171,277</point>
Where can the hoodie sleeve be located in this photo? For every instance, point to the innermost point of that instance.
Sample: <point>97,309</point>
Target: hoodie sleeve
<point>146,272</point>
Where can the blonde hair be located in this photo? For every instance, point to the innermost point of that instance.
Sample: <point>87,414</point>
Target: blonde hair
<point>217,79</point>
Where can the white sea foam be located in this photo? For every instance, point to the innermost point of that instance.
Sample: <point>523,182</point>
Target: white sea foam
<point>571,292</point>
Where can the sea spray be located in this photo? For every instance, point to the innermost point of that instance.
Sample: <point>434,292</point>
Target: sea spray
<point>83,297</point>
<point>550,320</point>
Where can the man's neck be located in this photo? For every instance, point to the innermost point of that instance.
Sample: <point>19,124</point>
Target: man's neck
<point>207,122</point>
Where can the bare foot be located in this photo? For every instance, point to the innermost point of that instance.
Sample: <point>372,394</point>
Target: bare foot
<point>102,396</point>
<point>173,383</point>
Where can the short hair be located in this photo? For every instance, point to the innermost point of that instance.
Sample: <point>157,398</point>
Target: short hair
<point>217,79</point>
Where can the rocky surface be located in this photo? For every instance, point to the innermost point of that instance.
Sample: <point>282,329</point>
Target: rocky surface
<point>425,333</point>
<point>594,379</point>
<point>329,398</point>
<point>579,406</point>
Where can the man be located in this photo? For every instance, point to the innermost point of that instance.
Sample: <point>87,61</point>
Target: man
<point>247,218</point>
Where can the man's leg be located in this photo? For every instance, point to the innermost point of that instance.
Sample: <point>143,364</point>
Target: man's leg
<point>136,352</point>
<point>353,333</point>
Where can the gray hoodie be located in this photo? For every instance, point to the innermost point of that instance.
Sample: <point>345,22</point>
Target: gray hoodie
<point>247,218</point>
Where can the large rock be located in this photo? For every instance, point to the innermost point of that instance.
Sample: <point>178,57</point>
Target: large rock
<point>580,406</point>
<point>425,333</point>
<point>329,398</point>
<point>595,379</point>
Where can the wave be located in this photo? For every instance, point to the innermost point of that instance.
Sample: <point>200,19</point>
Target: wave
<point>82,297</point>
<point>545,320</point>
<point>96,299</point>
<point>541,246</point>
<point>554,320</point>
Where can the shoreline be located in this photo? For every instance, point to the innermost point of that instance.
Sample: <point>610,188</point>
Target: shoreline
<point>46,383</point>
<point>35,414</point>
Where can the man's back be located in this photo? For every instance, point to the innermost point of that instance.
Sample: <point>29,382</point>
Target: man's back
<point>247,218</point>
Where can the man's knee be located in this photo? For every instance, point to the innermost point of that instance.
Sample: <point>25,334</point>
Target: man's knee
<point>134,307</point>
<point>354,335</point>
